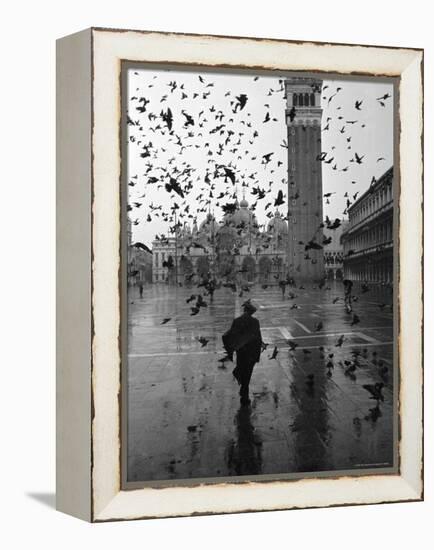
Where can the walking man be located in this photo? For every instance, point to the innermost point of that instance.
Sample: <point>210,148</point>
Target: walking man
<point>244,338</point>
<point>210,286</point>
<point>141,289</point>
<point>282,285</point>
<point>348,286</point>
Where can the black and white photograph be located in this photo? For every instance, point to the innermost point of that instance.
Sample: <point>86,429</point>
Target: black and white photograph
<point>259,260</point>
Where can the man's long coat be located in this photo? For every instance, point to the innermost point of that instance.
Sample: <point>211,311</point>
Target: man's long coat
<point>245,338</point>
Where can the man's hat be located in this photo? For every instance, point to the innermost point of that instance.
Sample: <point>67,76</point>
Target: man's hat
<point>249,307</point>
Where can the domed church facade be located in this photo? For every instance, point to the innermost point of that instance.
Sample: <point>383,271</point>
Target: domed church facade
<point>233,249</point>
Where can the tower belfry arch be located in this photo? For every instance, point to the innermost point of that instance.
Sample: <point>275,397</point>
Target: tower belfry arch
<point>305,194</point>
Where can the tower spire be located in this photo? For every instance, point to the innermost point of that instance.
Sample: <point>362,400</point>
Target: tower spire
<point>303,120</point>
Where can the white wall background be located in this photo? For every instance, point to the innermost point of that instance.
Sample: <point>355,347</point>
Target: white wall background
<point>27,395</point>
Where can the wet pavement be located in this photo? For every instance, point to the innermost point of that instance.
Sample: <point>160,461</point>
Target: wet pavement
<point>309,410</point>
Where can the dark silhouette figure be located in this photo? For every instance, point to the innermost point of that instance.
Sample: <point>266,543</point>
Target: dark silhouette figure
<point>210,286</point>
<point>244,338</point>
<point>282,285</point>
<point>348,286</point>
<point>141,289</point>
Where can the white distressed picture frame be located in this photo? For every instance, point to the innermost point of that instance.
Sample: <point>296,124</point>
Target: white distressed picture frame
<point>88,273</point>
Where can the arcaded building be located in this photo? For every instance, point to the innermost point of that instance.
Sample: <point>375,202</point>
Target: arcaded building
<point>334,252</point>
<point>368,239</point>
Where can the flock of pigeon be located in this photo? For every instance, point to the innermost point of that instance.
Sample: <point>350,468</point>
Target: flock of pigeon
<point>199,153</point>
<point>357,360</point>
<point>197,158</point>
<point>197,145</point>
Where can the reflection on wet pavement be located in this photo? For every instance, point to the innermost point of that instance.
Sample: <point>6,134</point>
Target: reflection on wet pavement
<point>244,452</point>
<point>309,412</point>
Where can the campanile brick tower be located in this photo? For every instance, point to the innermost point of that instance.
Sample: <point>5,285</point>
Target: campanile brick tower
<point>305,194</point>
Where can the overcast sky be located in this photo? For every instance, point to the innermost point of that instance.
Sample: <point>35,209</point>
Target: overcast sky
<point>190,151</point>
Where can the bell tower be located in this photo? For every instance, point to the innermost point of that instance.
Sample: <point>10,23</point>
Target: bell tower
<point>305,194</point>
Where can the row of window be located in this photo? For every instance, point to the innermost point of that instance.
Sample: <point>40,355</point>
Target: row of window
<point>380,234</point>
<point>159,258</point>
<point>378,272</point>
<point>303,100</point>
<point>333,256</point>
<point>333,260</point>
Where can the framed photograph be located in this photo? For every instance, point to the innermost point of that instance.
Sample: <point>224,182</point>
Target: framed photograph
<point>239,274</point>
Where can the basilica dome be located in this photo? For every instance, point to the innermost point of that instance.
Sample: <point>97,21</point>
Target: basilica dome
<point>243,216</point>
<point>208,223</point>
<point>278,224</point>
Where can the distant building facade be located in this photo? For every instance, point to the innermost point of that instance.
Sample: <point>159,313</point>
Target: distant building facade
<point>139,261</point>
<point>233,249</point>
<point>368,238</point>
<point>162,251</point>
<point>334,252</point>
